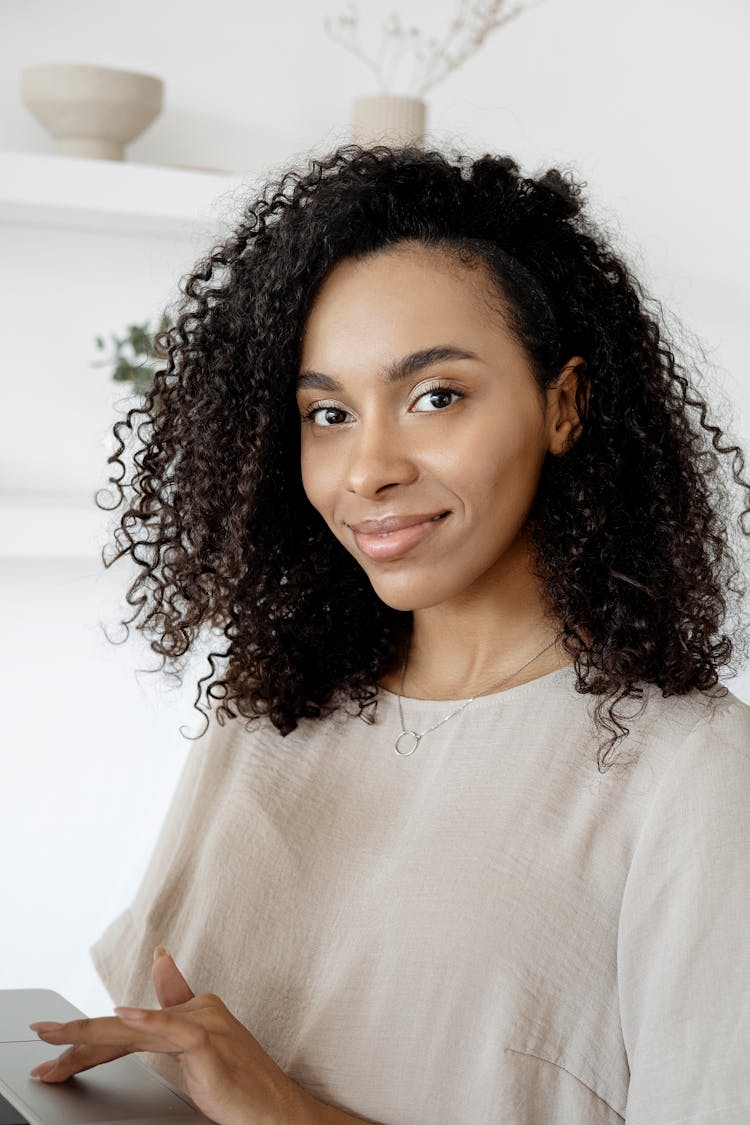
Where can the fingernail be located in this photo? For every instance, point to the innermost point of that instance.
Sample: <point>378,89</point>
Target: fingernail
<point>44,1026</point>
<point>43,1068</point>
<point>159,952</point>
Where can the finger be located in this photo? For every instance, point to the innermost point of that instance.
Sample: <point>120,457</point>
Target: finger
<point>76,1059</point>
<point>169,984</point>
<point>180,1032</point>
<point>108,1031</point>
<point>80,1031</point>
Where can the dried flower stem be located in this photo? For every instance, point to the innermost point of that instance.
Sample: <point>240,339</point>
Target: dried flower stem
<point>474,22</point>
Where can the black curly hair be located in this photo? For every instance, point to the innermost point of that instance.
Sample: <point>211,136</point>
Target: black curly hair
<point>629,528</point>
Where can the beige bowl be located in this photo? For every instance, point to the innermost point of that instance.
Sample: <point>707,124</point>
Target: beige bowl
<point>91,111</point>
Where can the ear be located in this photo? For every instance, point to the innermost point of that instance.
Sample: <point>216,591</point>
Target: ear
<point>567,384</point>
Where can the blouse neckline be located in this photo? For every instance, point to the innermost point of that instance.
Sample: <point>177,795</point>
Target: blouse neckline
<point>509,695</point>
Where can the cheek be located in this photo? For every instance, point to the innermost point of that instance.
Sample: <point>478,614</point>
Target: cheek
<point>497,465</point>
<point>317,477</point>
<point>473,467</point>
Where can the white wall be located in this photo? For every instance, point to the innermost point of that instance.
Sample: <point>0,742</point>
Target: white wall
<point>645,101</point>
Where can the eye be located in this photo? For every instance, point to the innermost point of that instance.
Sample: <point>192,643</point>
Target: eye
<point>438,392</point>
<point>317,408</point>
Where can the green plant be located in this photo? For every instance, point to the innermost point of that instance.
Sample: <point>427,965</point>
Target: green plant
<point>136,355</point>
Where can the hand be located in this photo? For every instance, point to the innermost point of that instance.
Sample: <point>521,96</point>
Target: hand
<point>226,1071</point>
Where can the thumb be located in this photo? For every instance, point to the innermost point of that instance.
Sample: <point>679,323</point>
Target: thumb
<point>169,983</point>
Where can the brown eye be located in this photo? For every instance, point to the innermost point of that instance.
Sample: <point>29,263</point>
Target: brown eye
<point>439,397</point>
<point>326,412</point>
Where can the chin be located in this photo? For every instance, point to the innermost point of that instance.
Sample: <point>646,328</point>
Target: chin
<point>409,600</point>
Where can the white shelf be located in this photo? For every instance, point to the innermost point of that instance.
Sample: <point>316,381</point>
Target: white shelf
<point>121,196</point>
<point>114,197</point>
<point>54,525</point>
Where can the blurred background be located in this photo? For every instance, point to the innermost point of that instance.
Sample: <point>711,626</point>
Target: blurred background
<point>646,102</point>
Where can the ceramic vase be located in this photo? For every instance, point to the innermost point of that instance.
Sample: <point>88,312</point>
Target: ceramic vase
<point>389,119</point>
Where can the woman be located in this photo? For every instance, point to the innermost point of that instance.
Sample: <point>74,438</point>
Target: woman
<point>425,459</point>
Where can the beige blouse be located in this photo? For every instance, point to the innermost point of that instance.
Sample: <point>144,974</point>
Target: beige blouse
<point>486,932</point>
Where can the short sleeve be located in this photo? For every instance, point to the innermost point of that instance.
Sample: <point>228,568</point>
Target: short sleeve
<point>123,953</point>
<point>683,952</point>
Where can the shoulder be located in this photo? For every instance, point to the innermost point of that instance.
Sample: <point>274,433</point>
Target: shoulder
<point>243,739</point>
<point>698,777</point>
<point>664,729</point>
<point>703,724</point>
<point>713,760</point>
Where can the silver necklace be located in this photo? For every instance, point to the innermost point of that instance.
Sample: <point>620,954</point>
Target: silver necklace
<point>413,738</point>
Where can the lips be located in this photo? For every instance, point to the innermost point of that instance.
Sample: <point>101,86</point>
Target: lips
<point>388,545</point>
<point>393,523</point>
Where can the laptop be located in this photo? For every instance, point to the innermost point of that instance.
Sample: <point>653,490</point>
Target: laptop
<point>113,1093</point>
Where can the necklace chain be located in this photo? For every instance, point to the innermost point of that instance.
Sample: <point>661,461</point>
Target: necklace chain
<point>416,736</point>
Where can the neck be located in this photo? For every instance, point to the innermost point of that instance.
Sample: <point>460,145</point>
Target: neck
<point>495,672</point>
<point>462,647</point>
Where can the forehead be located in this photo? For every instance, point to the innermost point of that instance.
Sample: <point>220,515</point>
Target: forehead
<point>408,290</point>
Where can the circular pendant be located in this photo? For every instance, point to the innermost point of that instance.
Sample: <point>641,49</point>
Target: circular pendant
<point>407,738</point>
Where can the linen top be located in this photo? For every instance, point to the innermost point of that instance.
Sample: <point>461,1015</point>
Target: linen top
<point>486,932</point>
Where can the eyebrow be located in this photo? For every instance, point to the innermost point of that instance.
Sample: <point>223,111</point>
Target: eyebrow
<point>398,369</point>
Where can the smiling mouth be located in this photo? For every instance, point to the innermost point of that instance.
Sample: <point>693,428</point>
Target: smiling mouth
<point>385,546</point>
<point>387,534</point>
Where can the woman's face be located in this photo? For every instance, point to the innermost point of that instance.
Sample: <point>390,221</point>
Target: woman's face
<point>462,439</point>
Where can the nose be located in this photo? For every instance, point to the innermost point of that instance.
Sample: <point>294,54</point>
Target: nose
<point>378,457</point>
